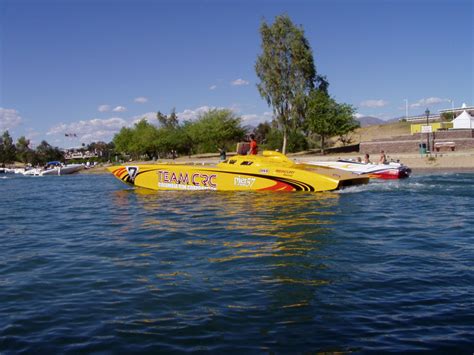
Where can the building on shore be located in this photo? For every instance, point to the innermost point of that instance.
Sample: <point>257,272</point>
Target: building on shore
<point>70,154</point>
<point>457,111</point>
<point>437,116</point>
<point>430,134</point>
<point>462,119</point>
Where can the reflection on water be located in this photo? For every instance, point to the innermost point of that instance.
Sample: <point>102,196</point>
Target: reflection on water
<point>273,239</point>
<point>260,224</point>
<point>258,212</point>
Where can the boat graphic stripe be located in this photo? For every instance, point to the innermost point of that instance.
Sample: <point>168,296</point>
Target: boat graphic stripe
<point>122,174</point>
<point>279,186</point>
<point>291,184</point>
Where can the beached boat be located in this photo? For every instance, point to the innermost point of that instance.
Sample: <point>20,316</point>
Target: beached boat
<point>32,172</point>
<point>271,171</point>
<point>54,168</point>
<point>62,169</point>
<point>390,170</point>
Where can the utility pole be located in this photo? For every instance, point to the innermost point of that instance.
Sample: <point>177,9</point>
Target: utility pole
<point>427,112</point>
<point>406,109</point>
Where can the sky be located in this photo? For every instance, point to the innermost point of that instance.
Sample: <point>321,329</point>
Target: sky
<point>86,68</point>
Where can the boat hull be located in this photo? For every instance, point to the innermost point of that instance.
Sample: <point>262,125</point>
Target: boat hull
<point>63,170</point>
<point>238,174</point>
<point>387,174</point>
<point>374,171</point>
<point>56,171</point>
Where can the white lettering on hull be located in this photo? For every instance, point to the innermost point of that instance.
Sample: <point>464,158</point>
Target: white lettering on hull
<point>184,187</point>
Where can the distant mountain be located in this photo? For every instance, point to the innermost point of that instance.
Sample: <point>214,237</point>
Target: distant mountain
<point>370,121</point>
<point>396,119</point>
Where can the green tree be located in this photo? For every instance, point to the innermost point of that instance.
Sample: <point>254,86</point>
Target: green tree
<point>145,138</point>
<point>123,140</point>
<point>175,139</point>
<point>296,140</point>
<point>262,131</point>
<point>24,153</point>
<point>170,121</point>
<point>139,141</point>
<point>172,136</point>
<point>447,116</point>
<point>346,123</point>
<point>46,152</point>
<point>327,118</point>
<point>212,130</point>
<point>286,71</point>
<point>7,149</point>
<point>215,129</point>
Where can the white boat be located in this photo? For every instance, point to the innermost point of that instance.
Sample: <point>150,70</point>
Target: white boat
<point>390,170</point>
<point>12,170</point>
<point>54,169</point>
<point>32,172</point>
<point>62,170</point>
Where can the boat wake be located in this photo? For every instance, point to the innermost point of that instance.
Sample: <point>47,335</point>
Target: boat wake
<point>391,185</point>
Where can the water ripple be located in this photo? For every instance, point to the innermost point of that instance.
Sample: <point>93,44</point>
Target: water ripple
<point>88,265</point>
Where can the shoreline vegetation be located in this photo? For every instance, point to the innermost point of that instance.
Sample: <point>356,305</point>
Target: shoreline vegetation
<point>449,161</point>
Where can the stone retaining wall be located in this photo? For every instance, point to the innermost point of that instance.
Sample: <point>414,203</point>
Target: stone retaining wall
<point>451,134</point>
<point>410,146</point>
<point>462,138</point>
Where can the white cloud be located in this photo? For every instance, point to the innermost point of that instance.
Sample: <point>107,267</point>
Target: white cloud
<point>119,109</point>
<point>190,115</point>
<point>212,87</point>
<point>149,116</point>
<point>31,134</point>
<point>358,115</point>
<point>374,103</point>
<point>429,101</point>
<point>239,82</point>
<point>97,129</point>
<point>141,100</point>
<point>247,119</point>
<point>255,119</point>
<point>90,130</point>
<point>103,108</point>
<point>9,118</point>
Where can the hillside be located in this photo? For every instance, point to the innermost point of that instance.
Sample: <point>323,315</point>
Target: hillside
<point>369,121</point>
<point>374,132</point>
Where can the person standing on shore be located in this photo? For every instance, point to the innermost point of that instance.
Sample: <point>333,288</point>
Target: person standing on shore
<point>253,146</point>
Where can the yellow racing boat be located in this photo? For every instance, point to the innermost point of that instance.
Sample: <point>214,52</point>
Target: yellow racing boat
<point>271,171</point>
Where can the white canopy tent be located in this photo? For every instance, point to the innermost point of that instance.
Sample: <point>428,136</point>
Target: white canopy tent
<point>463,121</point>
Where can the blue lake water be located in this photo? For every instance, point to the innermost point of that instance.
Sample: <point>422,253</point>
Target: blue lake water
<point>89,265</point>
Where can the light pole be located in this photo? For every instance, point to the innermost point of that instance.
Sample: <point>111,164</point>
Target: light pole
<point>427,113</point>
<point>406,109</point>
<point>452,108</point>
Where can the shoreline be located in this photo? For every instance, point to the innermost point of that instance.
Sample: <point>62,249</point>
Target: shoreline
<point>438,162</point>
